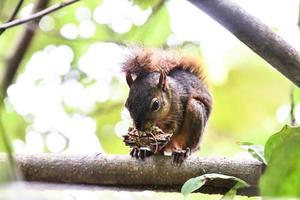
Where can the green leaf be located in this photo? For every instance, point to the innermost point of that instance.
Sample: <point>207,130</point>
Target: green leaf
<point>222,176</point>
<point>276,140</point>
<point>256,150</point>
<point>281,177</point>
<point>192,184</point>
<point>232,192</point>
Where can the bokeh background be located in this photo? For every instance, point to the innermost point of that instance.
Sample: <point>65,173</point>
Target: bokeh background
<point>69,93</point>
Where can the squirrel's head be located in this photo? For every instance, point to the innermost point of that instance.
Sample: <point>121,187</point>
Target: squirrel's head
<point>148,100</point>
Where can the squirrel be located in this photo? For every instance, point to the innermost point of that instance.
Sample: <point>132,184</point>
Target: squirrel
<point>167,90</point>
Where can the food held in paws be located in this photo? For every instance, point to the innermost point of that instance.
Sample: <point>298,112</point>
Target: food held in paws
<point>154,139</point>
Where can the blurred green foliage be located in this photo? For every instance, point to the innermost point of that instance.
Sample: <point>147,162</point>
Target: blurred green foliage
<point>15,125</point>
<point>245,105</point>
<point>146,4</point>
<point>145,34</point>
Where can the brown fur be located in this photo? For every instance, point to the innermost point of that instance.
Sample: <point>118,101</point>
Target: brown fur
<point>155,60</point>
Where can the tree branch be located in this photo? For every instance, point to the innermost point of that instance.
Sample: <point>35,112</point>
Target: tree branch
<point>155,173</point>
<point>14,14</point>
<point>21,47</point>
<point>255,34</point>
<point>36,15</point>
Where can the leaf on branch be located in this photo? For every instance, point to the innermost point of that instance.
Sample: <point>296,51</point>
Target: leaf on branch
<point>281,177</point>
<point>194,184</point>
<point>256,151</point>
<point>277,140</point>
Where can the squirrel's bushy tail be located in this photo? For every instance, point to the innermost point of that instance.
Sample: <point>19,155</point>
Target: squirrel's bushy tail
<point>142,60</point>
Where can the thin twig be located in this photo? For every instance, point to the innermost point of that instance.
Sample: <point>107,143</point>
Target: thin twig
<point>14,14</point>
<point>36,15</point>
<point>292,112</point>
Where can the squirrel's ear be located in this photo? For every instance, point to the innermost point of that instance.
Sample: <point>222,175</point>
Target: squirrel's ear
<point>129,79</point>
<point>162,81</point>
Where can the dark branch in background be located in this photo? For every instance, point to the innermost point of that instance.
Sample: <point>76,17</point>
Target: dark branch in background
<point>292,91</point>
<point>37,15</point>
<point>25,39</point>
<point>14,14</point>
<point>11,69</point>
<point>17,56</point>
<point>155,173</point>
<point>21,47</point>
<point>256,35</point>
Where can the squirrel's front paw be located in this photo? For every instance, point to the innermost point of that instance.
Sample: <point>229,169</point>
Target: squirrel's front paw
<point>180,155</point>
<point>140,153</point>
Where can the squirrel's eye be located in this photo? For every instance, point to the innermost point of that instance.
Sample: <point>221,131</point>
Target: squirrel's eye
<point>155,105</point>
